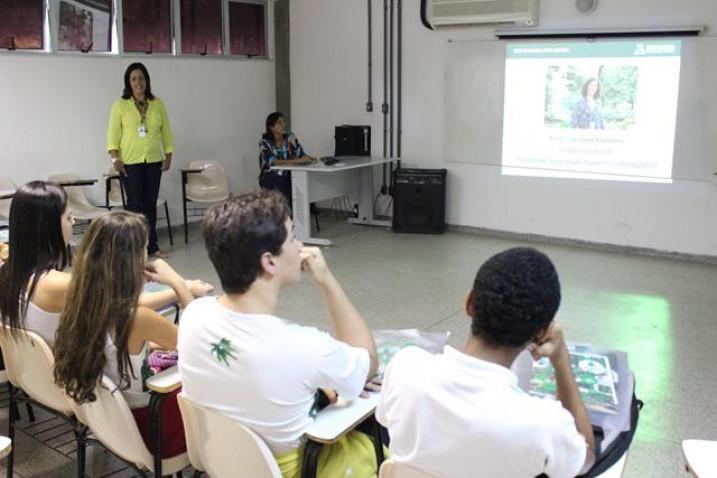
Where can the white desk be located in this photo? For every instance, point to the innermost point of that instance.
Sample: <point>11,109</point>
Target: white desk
<point>700,456</point>
<point>317,182</point>
<point>166,381</point>
<point>333,422</point>
<point>341,417</point>
<point>169,309</point>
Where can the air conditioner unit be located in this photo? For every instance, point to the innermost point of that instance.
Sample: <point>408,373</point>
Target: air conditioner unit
<point>450,13</point>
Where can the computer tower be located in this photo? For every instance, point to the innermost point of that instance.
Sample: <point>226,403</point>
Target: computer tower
<point>352,140</point>
<point>419,201</point>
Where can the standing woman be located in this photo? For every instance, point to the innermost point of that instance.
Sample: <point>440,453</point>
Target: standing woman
<point>137,136</point>
<point>279,148</point>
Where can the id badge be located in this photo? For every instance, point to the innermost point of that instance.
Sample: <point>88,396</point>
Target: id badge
<point>142,131</point>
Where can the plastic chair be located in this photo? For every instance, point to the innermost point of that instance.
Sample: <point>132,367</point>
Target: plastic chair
<point>222,447</point>
<point>6,184</point>
<point>5,446</point>
<point>29,364</point>
<point>115,197</point>
<point>82,208</point>
<point>113,426</point>
<point>392,469</point>
<point>202,182</point>
<point>700,457</point>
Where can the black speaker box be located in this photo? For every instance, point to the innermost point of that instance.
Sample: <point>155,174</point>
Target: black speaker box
<point>352,140</point>
<point>419,201</point>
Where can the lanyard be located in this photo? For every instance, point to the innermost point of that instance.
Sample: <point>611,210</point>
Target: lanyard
<point>142,107</point>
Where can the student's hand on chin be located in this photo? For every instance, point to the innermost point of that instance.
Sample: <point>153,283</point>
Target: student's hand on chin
<point>313,262</point>
<point>551,345</point>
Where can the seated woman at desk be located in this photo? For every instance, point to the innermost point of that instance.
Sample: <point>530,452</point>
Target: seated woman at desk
<point>279,148</point>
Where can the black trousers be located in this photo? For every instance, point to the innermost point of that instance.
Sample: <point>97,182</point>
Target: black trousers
<point>275,182</point>
<point>142,187</point>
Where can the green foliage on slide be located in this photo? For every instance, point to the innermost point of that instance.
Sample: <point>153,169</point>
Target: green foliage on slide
<point>618,93</point>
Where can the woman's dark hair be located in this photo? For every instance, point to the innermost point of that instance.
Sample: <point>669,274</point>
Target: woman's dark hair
<point>127,92</point>
<point>270,122</point>
<point>239,230</point>
<point>515,295</point>
<point>36,246</point>
<point>587,84</point>
<point>107,279</point>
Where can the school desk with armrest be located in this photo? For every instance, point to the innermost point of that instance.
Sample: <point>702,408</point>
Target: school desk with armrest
<point>165,382</point>
<point>335,421</point>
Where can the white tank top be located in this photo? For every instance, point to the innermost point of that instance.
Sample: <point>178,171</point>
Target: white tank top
<point>41,322</point>
<point>137,395</point>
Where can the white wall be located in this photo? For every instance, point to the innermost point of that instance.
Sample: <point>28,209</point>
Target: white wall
<point>328,67</point>
<point>54,111</point>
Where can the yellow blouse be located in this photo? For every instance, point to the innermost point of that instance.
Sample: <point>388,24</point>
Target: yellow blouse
<point>134,145</point>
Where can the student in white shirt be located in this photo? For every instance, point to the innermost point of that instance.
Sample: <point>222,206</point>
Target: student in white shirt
<point>238,358</point>
<point>461,414</point>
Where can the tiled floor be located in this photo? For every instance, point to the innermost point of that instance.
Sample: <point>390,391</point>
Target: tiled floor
<point>661,311</point>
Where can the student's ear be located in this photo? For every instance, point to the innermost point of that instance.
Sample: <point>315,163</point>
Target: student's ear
<point>469,303</point>
<point>268,265</point>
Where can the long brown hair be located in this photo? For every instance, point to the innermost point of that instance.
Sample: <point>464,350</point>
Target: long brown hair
<point>107,279</point>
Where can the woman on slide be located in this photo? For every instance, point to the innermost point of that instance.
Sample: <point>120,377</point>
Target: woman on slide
<point>587,114</point>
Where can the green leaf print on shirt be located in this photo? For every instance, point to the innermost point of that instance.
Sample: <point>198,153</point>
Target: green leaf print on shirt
<point>223,350</point>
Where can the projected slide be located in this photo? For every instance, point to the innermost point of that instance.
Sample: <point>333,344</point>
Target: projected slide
<point>593,110</point>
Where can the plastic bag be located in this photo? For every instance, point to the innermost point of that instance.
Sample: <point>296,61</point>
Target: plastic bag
<point>389,342</point>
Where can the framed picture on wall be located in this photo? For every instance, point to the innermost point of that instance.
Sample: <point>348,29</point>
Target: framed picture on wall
<point>84,25</point>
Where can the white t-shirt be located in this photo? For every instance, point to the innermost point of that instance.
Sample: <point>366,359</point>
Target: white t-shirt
<point>262,370</point>
<point>456,416</point>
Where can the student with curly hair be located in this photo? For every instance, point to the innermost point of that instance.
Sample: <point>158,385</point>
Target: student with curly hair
<point>461,413</point>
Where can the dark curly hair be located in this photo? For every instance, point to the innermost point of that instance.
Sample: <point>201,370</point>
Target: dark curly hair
<point>238,230</point>
<point>515,294</point>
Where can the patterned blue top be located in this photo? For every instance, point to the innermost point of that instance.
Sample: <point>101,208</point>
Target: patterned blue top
<point>269,153</point>
<point>586,116</point>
